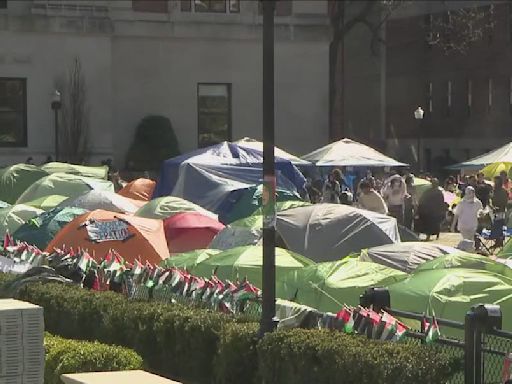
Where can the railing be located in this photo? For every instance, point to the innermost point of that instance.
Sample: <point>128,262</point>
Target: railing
<point>483,347</point>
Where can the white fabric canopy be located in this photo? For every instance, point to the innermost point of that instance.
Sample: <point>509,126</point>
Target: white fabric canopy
<point>349,153</point>
<point>499,155</point>
<point>247,142</point>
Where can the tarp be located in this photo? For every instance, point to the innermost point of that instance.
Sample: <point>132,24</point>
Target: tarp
<point>14,180</point>
<point>250,143</point>
<point>246,262</point>
<point>327,286</point>
<point>61,184</point>
<point>40,230</point>
<point>13,217</point>
<point>139,189</point>
<point>140,238</point>
<point>99,172</point>
<point>190,230</point>
<point>499,155</point>
<point>209,185</point>
<point>349,153</point>
<point>494,169</point>
<point>245,202</point>
<point>328,232</point>
<point>167,206</point>
<point>188,260</point>
<point>106,200</point>
<point>405,257</point>
<point>223,154</point>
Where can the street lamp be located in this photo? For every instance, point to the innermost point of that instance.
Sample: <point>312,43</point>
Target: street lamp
<point>418,115</point>
<point>56,105</point>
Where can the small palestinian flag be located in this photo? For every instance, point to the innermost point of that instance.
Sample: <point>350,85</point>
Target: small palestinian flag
<point>138,268</point>
<point>346,316</point>
<point>85,262</point>
<point>433,332</point>
<point>388,325</point>
<point>400,331</point>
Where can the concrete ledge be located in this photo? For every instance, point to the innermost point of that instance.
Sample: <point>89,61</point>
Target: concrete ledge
<point>121,377</point>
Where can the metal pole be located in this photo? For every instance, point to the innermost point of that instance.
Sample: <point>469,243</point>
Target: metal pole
<point>269,240</point>
<point>418,149</point>
<point>56,134</point>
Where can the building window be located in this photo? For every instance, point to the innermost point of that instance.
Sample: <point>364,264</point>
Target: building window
<point>214,113</point>
<point>283,8</point>
<point>470,95</point>
<point>156,6</point>
<point>3,4</point>
<point>13,112</point>
<point>449,90</point>
<point>490,90</point>
<point>429,96</point>
<point>210,6</point>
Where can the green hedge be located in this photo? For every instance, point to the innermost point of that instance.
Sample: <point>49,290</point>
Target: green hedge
<point>201,346</point>
<point>72,356</point>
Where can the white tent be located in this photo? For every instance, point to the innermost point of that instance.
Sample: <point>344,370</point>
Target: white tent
<point>499,155</point>
<point>247,142</point>
<point>349,153</point>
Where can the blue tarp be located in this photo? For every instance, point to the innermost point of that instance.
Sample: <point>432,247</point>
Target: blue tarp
<point>210,185</point>
<point>228,156</point>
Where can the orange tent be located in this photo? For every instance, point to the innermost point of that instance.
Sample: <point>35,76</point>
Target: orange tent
<point>139,189</point>
<point>99,231</point>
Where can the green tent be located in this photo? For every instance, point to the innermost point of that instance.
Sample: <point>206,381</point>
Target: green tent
<point>40,230</point>
<point>190,259</point>
<point>327,286</point>
<point>51,190</point>
<point>507,249</point>
<point>100,172</point>
<point>250,203</point>
<point>450,293</point>
<point>15,179</point>
<point>421,185</point>
<point>247,262</point>
<point>167,206</point>
<point>11,218</point>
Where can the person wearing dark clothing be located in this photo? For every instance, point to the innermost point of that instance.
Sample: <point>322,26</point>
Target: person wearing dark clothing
<point>482,190</point>
<point>431,211</point>
<point>499,203</point>
<point>410,202</point>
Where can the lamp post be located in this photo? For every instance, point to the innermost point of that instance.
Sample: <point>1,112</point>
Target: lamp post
<point>418,115</point>
<point>269,179</point>
<point>56,105</point>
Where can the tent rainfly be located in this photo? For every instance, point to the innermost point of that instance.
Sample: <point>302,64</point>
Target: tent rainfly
<point>499,155</point>
<point>250,143</point>
<point>349,153</point>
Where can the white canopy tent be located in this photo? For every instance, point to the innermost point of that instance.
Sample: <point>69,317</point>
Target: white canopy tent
<point>499,155</point>
<point>349,153</point>
<point>247,142</point>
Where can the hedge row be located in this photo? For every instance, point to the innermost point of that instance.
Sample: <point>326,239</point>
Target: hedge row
<point>200,346</point>
<point>72,356</point>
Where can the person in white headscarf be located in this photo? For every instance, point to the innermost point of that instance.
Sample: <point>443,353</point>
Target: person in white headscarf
<point>394,193</point>
<point>466,215</point>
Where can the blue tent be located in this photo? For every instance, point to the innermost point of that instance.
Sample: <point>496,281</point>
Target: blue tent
<point>218,161</point>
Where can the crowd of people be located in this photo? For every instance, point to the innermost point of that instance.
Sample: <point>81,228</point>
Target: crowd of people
<point>480,203</point>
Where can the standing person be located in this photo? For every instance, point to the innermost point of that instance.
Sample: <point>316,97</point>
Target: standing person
<point>482,189</point>
<point>499,203</point>
<point>506,183</point>
<point>338,176</point>
<point>370,199</point>
<point>466,215</point>
<point>394,192</point>
<point>431,211</point>
<point>331,190</point>
<point>410,201</point>
<point>450,185</point>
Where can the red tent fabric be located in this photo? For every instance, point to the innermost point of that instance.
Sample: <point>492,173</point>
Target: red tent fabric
<point>188,231</point>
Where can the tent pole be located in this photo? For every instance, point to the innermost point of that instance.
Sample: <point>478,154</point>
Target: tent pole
<point>269,180</point>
